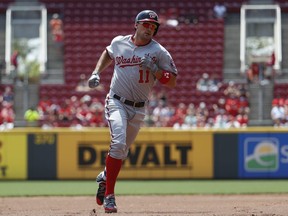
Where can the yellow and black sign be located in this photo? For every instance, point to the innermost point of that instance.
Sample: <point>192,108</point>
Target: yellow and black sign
<point>66,154</point>
<point>184,156</point>
<point>13,156</point>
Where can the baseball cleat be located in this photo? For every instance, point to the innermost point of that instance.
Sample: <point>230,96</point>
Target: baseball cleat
<point>101,189</point>
<point>110,204</point>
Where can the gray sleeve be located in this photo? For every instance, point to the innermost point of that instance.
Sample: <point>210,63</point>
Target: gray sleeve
<point>110,48</point>
<point>166,62</point>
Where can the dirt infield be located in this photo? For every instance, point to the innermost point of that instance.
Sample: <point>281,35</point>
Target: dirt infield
<point>214,205</point>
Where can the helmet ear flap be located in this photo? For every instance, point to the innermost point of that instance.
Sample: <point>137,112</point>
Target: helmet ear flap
<point>156,30</point>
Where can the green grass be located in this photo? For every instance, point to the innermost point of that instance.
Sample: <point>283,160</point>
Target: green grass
<point>87,188</point>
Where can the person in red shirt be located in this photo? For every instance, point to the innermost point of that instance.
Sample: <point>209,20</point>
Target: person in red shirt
<point>253,73</point>
<point>56,25</point>
<point>232,105</point>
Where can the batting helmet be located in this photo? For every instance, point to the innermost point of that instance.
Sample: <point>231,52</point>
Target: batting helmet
<point>148,16</point>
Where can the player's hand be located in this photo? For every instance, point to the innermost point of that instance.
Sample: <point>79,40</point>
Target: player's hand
<point>94,80</point>
<point>149,63</point>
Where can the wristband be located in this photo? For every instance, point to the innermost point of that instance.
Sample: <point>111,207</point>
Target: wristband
<point>166,76</point>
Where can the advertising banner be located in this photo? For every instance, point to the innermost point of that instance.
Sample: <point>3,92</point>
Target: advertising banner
<point>13,156</point>
<point>263,155</point>
<point>152,156</point>
<point>42,155</point>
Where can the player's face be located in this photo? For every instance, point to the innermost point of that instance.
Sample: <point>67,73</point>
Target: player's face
<point>149,25</point>
<point>147,28</point>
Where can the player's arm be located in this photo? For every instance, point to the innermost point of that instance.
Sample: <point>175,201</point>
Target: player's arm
<point>103,62</point>
<point>166,78</point>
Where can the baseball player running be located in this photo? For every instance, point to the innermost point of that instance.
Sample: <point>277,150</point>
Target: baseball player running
<point>139,61</point>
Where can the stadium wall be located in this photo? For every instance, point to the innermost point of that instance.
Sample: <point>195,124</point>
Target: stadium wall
<point>158,153</point>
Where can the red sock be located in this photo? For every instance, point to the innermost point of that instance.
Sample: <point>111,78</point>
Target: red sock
<point>113,167</point>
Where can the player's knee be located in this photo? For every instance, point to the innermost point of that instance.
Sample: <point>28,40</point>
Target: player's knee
<point>118,151</point>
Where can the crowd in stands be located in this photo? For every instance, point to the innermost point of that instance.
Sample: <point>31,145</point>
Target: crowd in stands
<point>261,72</point>
<point>230,111</point>
<point>205,83</point>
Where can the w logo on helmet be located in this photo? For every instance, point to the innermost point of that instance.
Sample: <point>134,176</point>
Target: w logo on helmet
<point>152,15</point>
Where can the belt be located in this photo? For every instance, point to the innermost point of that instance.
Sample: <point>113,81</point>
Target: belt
<point>128,102</point>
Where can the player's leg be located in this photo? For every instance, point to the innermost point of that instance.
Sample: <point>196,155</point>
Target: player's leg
<point>101,180</point>
<point>117,121</point>
<point>133,127</point>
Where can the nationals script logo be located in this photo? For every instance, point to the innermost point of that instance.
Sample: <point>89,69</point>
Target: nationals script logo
<point>126,62</point>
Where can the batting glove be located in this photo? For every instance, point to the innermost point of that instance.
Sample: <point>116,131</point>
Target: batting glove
<point>148,63</point>
<point>94,80</point>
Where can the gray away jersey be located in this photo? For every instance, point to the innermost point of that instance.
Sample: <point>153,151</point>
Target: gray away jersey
<point>130,80</point>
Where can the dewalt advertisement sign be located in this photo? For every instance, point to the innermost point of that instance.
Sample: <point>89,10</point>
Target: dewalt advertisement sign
<point>154,155</point>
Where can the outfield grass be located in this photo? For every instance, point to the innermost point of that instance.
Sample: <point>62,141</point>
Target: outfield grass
<point>87,188</point>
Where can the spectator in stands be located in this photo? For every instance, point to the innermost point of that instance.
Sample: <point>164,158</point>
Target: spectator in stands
<point>50,117</point>
<point>49,122</point>
<point>177,119</point>
<point>190,120</point>
<point>7,95</point>
<point>243,120</point>
<point>161,114</point>
<point>253,73</point>
<point>202,114</point>
<point>43,106</point>
<point>96,104</point>
<point>32,117</point>
<point>221,119</point>
<point>210,123</point>
<point>96,117</point>
<point>243,90</point>
<point>220,10</point>
<point>82,114</point>
<point>65,112</point>
<point>269,68</point>
<point>7,116</point>
<point>278,112</point>
<point>233,122</point>
<point>231,89</point>
<point>82,85</point>
<point>219,106</point>
<point>232,105</point>
<point>205,83</point>
<point>215,83</point>
<point>56,26</point>
<point>243,106</point>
